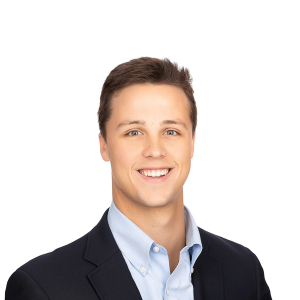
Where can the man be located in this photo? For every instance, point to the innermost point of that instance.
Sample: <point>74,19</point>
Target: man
<point>146,245</point>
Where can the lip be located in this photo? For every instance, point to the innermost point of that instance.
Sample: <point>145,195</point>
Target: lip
<point>156,168</point>
<point>155,179</point>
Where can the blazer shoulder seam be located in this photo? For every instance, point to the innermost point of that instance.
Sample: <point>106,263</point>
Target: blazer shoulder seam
<point>35,282</point>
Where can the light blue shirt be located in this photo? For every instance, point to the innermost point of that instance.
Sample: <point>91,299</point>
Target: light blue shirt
<point>148,262</point>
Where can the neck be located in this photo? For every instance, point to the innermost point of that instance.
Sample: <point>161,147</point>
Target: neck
<point>164,224</point>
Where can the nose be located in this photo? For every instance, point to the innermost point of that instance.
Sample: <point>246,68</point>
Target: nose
<point>154,148</point>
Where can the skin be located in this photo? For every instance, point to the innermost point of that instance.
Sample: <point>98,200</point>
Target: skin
<point>156,207</point>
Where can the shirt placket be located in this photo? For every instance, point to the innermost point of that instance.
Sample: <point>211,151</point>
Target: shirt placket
<point>178,274</point>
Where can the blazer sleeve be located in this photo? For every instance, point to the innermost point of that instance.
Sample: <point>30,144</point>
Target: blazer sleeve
<point>21,286</point>
<point>262,289</point>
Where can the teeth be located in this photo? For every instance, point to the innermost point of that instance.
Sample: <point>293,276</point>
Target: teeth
<point>154,173</point>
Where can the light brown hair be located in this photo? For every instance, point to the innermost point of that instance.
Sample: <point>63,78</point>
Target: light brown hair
<point>144,70</point>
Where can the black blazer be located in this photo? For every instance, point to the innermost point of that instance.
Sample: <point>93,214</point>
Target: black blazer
<point>93,268</point>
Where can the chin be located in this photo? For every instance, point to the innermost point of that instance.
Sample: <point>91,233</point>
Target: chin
<point>154,200</point>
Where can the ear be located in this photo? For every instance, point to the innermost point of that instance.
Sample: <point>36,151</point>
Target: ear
<point>103,148</point>
<point>193,145</point>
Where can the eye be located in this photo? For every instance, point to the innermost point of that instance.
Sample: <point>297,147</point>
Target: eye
<point>171,132</point>
<point>133,133</point>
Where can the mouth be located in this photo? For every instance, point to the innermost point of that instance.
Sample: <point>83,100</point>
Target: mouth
<point>156,173</point>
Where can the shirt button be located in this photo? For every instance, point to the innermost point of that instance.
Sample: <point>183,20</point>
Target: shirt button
<point>192,270</point>
<point>156,249</point>
<point>168,292</point>
<point>142,269</point>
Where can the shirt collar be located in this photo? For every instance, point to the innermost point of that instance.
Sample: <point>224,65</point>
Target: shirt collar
<point>193,239</point>
<point>135,244</point>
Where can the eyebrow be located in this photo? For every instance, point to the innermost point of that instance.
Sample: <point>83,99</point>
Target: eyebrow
<point>177,122</point>
<point>142,122</point>
<point>129,122</point>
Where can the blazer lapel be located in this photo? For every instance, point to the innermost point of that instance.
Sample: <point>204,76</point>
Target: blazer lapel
<point>207,276</point>
<point>111,279</point>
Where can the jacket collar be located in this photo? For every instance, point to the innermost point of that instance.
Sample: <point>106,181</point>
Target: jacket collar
<point>207,276</point>
<point>111,278</point>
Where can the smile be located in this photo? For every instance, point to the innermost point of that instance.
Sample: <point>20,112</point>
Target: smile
<point>154,173</point>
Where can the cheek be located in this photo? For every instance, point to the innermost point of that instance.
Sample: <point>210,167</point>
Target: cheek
<point>123,158</point>
<point>181,153</point>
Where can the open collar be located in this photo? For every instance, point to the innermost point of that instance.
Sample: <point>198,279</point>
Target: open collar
<point>135,244</point>
<point>111,278</point>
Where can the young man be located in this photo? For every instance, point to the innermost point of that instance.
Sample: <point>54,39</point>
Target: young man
<point>147,245</point>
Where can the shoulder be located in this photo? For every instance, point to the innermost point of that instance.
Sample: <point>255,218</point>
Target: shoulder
<point>221,245</point>
<point>48,273</point>
<point>226,251</point>
<point>240,268</point>
<point>59,259</point>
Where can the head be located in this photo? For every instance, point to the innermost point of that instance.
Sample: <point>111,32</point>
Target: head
<point>147,119</point>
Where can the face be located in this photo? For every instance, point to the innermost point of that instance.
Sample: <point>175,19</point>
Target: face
<point>149,144</point>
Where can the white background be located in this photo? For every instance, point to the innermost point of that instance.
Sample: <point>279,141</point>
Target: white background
<point>244,181</point>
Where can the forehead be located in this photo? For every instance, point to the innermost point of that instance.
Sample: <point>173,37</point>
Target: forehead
<point>150,101</point>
